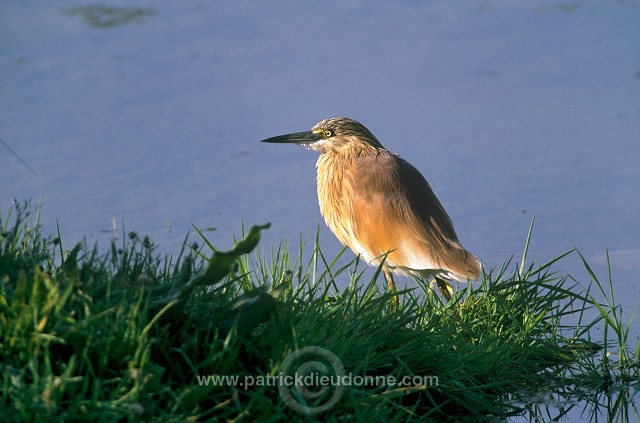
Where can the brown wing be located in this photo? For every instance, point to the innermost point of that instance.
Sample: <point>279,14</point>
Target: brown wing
<point>394,208</point>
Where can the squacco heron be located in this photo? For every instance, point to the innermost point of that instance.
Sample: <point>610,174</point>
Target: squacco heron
<point>381,207</point>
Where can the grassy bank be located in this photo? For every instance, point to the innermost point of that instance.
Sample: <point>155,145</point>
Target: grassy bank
<point>128,335</point>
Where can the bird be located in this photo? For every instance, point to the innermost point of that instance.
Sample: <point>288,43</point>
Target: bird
<point>382,208</point>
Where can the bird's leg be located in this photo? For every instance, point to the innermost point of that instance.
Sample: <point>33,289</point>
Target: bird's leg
<point>392,287</point>
<point>445,289</point>
<point>389,277</point>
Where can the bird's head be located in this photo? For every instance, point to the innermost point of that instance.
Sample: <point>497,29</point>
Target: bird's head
<point>333,134</point>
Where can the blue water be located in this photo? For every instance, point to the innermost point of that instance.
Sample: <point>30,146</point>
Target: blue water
<point>509,109</point>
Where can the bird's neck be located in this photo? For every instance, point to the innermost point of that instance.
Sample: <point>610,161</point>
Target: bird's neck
<point>333,183</point>
<point>335,186</point>
<point>344,152</point>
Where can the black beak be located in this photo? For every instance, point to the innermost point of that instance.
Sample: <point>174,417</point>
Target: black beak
<point>297,138</point>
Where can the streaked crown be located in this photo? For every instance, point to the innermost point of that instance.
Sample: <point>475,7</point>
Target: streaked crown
<point>342,130</point>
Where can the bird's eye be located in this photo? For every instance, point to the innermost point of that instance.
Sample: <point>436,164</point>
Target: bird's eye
<point>328,133</point>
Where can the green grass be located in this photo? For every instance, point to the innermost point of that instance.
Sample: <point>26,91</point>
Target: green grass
<point>127,335</point>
